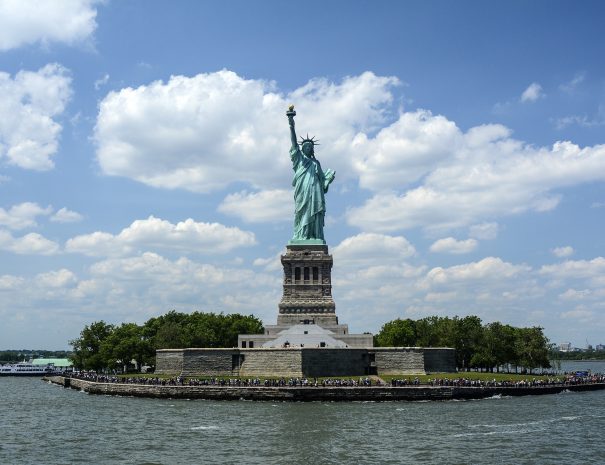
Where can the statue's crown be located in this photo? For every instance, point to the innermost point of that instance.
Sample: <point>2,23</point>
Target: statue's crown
<point>308,139</point>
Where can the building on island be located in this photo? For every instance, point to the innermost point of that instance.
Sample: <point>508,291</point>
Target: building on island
<point>59,364</point>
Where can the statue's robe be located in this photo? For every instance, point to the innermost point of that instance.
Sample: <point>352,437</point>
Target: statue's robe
<point>310,185</point>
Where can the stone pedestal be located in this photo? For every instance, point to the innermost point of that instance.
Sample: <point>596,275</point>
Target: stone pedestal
<point>307,287</point>
<point>307,312</point>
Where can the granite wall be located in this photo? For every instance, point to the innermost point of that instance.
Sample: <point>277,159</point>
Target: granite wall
<point>439,360</point>
<point>311,362</point>
<point>335,362</point>
<point>210,362</point>
<point>396,361</point>
<point>272,362</point>
<point>169,361</point>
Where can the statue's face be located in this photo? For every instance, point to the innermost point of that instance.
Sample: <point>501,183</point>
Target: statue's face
<point>307,149</point>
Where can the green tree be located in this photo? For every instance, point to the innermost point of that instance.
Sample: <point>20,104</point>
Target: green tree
<point>219,330</point>
<point>397,333</point>
<point>497,347</point>
<point>506,353</point>
<point>87,348</point>
<point>477,346</point>
<point>9,356</point>
<point>427,334</point>
<point>241,324</point>
<point>124,344</point>
<point>532,348</point>
<point>166,331</point>
<point>467,337</point>
<point>176,330</point>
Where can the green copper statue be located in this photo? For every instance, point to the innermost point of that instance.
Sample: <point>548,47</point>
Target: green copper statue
<point>310,184</point>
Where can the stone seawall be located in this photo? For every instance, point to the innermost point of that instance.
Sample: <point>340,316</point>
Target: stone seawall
<point>306,394</point>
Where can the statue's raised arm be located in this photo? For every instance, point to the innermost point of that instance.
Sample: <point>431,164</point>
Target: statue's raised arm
<point>291,114</point>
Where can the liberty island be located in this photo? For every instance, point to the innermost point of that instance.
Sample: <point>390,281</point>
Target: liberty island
<point>308,341</point>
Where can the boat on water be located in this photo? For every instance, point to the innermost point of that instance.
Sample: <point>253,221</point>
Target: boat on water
<point>25,369</point>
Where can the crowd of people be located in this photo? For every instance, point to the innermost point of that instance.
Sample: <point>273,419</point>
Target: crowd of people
<point>570,379</point>
<point>224,382</point>
<point>151,381</point>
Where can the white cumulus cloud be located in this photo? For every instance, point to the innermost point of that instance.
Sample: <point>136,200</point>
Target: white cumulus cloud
<point>484,231</point>
<point>563,252</point>
<point>155,233</point>
<point>489,174</point>
<point>45,21</point>
<point>209,131</point>
<point>368,249</point>
<point>205,132</point>
<point>532,93</point>
<point>155,282</point>
<point>101,81</point>
<point>591,270</point>
<point>581,120</point>
<point>574,294</point>
<point>258,207</point>
<point>9,282</point>
<point>269,263</point>
<point>571,86</point>
<point>28,133</point>
<point>22,215</point>
<point>579,314</point>
<point>65,215</point>
<point>490,269</point>
<point>453,246</point>
<point>56,279</point>
<point>30,244</point>
<point>404,151</point>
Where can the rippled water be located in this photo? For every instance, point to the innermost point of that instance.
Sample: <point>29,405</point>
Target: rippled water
<point>43,423</point>
<point>596,366</point>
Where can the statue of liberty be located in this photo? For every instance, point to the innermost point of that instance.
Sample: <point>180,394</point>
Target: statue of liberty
<point>310,184</point>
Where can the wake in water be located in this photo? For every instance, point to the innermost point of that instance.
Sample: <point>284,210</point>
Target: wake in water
<point>528,423</point>
<point>515,428</point>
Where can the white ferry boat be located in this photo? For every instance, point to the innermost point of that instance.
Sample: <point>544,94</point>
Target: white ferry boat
<point>24,369</point>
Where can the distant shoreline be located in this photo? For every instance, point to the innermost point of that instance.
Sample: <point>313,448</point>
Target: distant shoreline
<point>579,360</point>
<point>320,393</point>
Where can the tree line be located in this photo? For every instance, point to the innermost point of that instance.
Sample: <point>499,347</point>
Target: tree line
<point>478,346</point>
<point>14,356</point>
<point>588,354</point>
<point>103,346</point>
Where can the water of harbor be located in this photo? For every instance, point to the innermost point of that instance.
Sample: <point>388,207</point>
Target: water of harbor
<point>45,424</point>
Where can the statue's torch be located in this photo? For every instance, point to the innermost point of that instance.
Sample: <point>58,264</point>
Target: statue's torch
<point>291,113</point>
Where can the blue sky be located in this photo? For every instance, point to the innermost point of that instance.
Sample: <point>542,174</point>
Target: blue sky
<point>144,160</point>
